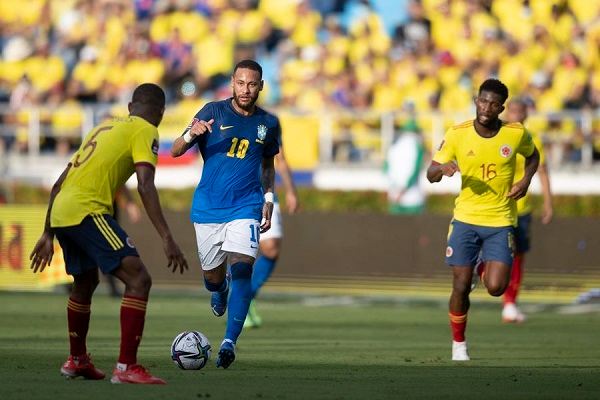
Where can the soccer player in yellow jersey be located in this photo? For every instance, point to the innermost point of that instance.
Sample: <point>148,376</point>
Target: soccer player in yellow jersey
<point>80,216</point>
<point>484,151</point>
<point>517,112</point>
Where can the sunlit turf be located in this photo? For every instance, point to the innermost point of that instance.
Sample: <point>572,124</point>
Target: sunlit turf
<point>310,350</point>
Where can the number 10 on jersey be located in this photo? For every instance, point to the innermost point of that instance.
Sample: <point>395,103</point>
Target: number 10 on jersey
<point>238,148</point>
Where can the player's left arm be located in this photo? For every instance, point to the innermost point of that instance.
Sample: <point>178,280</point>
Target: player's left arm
<point>519,189</point>
<point>268,183</point>
<point>291,195</point>
<point>42,253</point>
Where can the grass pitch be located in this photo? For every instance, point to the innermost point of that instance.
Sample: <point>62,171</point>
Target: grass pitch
<point>310,349</point>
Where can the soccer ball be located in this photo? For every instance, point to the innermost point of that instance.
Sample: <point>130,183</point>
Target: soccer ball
<point>190,350</point>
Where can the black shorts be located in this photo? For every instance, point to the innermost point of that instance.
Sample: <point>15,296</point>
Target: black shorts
<point>98,241</point>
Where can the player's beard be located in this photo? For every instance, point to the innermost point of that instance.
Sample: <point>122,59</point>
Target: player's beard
<point>246,104</point>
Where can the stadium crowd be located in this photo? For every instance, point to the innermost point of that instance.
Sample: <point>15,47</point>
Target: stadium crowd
<point>358,55</point>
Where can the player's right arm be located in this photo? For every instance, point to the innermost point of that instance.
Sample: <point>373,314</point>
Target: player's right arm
<point>149,195</point>
<point>443,162</point>
<point>44,248</point>
<point>437,170</point>
<point>188,139</point>
<point>201,124</point>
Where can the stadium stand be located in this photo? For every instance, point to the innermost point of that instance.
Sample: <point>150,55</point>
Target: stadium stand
<point>348,63</point>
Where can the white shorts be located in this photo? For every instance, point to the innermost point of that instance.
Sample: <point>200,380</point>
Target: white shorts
<point>276,230</point>
<point>215,241</point>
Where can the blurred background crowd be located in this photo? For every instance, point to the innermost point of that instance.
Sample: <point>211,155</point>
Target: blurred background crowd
<point>414,57</point>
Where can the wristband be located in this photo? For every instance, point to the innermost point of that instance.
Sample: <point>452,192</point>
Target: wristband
<point>187,137</point>
<point>269,197</point>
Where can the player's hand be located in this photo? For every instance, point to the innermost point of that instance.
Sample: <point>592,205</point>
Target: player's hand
<point>518,190</point>
<point>174,256</point>
<point>547,214</point>
<point>449,168</point>
<point>267,213</point>
<point>201,127</point>
<point>42,253</point>
<point>291,202</point>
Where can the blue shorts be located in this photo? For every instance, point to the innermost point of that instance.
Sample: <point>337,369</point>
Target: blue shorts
<point>97,242</point>
<point>466,242</point>
<point>523,234</point>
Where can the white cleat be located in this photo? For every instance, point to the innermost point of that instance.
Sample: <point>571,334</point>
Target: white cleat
<point>459,351</point>
<point>511,314</point>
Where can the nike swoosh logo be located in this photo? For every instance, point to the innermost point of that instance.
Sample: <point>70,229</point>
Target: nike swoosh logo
<point>223,127</point>
<point>253,247</point>
<point>238,320</point>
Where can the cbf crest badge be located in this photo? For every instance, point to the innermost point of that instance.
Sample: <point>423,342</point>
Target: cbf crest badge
<point>262,132</point>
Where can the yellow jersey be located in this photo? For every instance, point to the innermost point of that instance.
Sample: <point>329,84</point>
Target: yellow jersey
<point>487,167</point>
<point>105,160</point>
<point>524,205</point>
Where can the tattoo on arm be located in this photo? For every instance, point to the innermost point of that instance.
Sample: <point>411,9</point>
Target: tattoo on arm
<point>268,175</point>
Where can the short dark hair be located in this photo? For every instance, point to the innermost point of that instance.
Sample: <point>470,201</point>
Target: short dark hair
<point>149,93</point>
<point>249,64</point>
<point>494,86</point>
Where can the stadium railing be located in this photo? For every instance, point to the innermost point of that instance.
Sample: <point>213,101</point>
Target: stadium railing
<point>572,139</point>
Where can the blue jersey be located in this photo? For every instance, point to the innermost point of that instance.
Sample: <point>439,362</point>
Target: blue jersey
<point>230,187</point>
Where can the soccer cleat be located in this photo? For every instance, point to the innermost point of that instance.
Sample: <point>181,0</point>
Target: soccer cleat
<point>253,320</point>
<point>218,300</point>
<point>135,373</point>
<point>81,366</point>
<point>459,351</point>
<point>226,354</point>
<point>511,314</point>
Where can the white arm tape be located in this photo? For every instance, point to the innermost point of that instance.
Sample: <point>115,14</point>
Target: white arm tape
<point>269,198</point>
<point>187,137</point>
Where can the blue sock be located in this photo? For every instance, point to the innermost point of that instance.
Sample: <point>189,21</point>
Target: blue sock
<point>216,287</point>
<point>239,299</point>
<point>263,268</point>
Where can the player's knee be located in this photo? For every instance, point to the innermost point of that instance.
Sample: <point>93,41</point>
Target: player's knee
<point>272,253</point>
<point>137,277</point>
<point>495,289</point>
<point>144,281</point>
<point>461,288</point>
<point>241,271</point>
<point>270,249</point>
<point>84,286</point>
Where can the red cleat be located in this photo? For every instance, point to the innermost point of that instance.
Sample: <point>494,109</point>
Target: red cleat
<point>135,373</point>
<point>81,366</point>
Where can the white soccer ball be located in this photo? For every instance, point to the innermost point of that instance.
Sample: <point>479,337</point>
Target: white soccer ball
<point>190,350</point>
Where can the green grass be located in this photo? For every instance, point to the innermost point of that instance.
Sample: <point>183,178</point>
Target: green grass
<point>365,350</point>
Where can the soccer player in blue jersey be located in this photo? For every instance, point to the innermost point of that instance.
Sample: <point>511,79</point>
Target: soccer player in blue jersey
<point>233,202</point>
